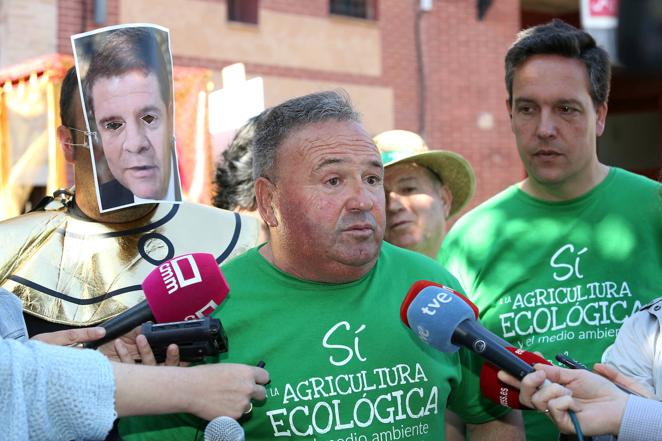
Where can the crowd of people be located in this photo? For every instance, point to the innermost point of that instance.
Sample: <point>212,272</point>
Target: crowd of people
<point>556,263</point>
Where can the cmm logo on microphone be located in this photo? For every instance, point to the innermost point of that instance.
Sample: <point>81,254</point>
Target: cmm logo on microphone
<point>173,273</point>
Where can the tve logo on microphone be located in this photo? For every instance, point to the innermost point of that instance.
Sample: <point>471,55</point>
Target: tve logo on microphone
<point>433,305</point>
<point>180,272</point>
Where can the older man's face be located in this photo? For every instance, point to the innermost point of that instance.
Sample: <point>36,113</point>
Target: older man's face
<point>133,123</point>
<point>329,201</point>
<point>416,209</point>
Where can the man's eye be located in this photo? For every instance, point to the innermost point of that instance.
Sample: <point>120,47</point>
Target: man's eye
<point>113,125</point>
<point>149,119</point>
<point>333,181</point>
<point>566,109</point>
<point>408,190</point>
<point>374,180</point>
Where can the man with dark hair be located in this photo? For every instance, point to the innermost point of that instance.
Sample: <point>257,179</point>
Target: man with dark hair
<point>74,266</point>
<point>235,188</point>
<point>557,262</point>
<point>234,173</point>
<point>128,90</point>
<point>320,301</point>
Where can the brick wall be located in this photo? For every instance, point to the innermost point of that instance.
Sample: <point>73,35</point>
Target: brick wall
<point>27,30</point>
<point>464,81</point>
<point>463,77</point>
<point>76,16</point>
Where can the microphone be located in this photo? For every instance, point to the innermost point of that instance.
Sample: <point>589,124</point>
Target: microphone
<point>12,323</point>
<point>186,287</point>
<point>446,320</point>
<point>499,392</point>
<point>224,428</point>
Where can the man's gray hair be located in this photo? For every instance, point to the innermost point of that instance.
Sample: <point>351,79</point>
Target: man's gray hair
<point>279,122</point>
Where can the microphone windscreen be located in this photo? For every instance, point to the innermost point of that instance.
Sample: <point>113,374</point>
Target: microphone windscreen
<point>435,313</point>
<point>190,286</point>
<point>417,287</point>
<point>224,428</point>
<point>499,392</point>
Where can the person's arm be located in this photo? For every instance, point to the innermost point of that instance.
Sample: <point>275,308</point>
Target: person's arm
<point>509,426</point>
<point>206,391</point>
<point>598,404</point>
<point>641,420</point>
<point>51,392</point>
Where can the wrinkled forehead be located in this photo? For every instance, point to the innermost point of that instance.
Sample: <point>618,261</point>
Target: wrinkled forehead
<point>331,137</point>
<point>317,146</point>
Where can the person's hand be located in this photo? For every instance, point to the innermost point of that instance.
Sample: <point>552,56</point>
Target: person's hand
<point>71,337</point>
<point>133,346</point>
<point>223,389</point>
<point>617,377</point>
<point>598,404</point>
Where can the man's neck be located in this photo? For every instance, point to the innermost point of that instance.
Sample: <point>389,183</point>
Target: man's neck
<point>567,190</point>
<point>332,272</point>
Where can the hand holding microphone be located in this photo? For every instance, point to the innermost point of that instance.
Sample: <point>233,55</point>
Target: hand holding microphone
<point>185,287</point>
<point>598,403</point>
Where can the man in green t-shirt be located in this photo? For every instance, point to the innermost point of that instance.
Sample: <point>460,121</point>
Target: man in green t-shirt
<point>557,262</point>
<point>320,302</point>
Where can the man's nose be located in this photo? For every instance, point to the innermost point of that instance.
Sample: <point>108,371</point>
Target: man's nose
<point>136,140</point>
<point>393,202</point>
<point>546,125</point>
<point>362,197</point>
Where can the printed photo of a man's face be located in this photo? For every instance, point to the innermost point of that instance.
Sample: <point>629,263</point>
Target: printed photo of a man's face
<point>126,78</point>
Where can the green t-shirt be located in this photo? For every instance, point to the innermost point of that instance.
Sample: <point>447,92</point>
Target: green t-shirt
<point>341,362</point>
<point>561,276</point>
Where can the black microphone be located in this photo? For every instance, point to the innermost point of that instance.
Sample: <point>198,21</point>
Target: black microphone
<point>224,428</point>
<point>123,323</point>
<point>445,320</point>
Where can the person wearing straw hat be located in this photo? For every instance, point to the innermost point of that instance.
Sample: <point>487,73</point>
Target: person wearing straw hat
<point>424,189</point>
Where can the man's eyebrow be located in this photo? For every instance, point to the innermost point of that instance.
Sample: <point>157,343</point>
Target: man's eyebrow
<point>327,162</point>
<point>377,164</point>
<point>571,101</point>
<point>150,109</point>
<point>110,118</point>
<point>332,161</point>
<point>406,179</point>
<point>521,100</point>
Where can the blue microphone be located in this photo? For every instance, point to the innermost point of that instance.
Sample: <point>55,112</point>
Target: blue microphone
<point>445,320</point>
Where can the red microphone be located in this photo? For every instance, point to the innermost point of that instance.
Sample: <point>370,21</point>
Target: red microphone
<point>419,286</point>
<point>186,287</point>
<point>498,391</point>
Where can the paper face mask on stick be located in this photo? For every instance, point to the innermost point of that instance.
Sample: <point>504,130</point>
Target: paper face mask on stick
<point>125,79</point>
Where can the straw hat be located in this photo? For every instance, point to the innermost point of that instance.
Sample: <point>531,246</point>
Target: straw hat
<point>402,146</point>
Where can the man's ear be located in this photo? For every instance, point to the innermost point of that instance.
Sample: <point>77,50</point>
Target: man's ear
<point>447,198</point>
<point>601,118</point>
<point>264,195</point>
<point>65,138</point>
<point>509,107</point>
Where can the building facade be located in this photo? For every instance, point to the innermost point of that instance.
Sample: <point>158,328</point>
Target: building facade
<point>431,66</point>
